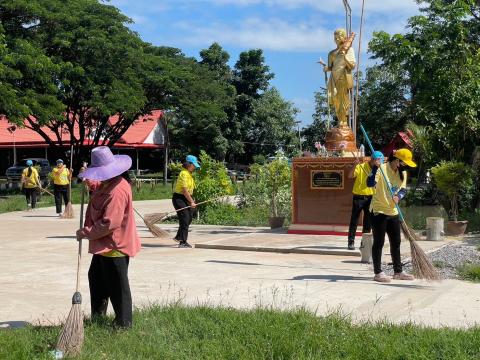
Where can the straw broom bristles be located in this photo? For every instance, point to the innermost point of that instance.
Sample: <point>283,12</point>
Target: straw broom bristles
<point>71,338</point>
<point>150,224</point>
<point>421,264</point>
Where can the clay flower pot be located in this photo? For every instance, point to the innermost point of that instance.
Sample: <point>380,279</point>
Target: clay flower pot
<point>276,222</point>
<point>456,228</point>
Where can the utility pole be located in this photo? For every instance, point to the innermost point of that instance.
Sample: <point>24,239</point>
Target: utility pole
<point>299,135</point>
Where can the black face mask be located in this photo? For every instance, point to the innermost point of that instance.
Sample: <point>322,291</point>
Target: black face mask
<point>402,168</point>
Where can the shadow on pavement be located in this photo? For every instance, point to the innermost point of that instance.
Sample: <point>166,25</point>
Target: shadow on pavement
<point>42,216</point>
<point>335,278</point>
<point>13,324</point>
<point>61,237</point>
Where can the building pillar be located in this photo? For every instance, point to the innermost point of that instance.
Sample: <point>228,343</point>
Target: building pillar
<point>138,163</point>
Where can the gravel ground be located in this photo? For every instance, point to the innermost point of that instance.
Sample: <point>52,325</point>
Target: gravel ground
<point>446,259</point>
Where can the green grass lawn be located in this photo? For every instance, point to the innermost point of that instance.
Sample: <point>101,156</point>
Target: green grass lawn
<point>14,200</point>
<point>176,332</point>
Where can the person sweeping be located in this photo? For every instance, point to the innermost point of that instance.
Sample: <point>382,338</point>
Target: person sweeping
<point>362,196</point>
<point>182,198</point>
<point>61,178</point>
<point>31,182</point>
<point>113,239</point>
<point>385,216</point>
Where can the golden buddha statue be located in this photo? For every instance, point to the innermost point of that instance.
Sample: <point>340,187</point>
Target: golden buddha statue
<point>341,62</point>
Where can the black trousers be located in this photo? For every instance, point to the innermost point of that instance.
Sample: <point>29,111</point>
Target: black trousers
<point>359,204</point>
<point>382,224</point>
<point>185,217</point>
<point>31,196</point>
<point>108,279</point>
<point>60,191</point>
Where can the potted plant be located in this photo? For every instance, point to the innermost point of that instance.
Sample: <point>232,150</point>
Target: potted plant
<point>277,175</point>
<point>454,179</point>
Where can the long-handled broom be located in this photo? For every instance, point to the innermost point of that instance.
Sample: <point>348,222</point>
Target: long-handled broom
<point>422,266</point>
<point>71,338</point>
<point>156,218</point>
<point>69,214</point>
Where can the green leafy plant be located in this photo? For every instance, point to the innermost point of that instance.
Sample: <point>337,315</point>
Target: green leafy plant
<point>454,179</point>
<point>270,184</point>
<point>470,272</point>
<point>211,179</point>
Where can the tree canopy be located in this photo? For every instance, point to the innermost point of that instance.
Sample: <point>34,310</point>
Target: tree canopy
<point>69,63</point>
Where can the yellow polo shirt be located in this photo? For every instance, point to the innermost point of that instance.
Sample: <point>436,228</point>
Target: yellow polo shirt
<point>185,180</point>
<point>33,180</point>
<point>61,176</point>
<point>360,174</point>
<point>382,199</point>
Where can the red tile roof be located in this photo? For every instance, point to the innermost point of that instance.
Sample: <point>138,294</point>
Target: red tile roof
<point>135,137</point>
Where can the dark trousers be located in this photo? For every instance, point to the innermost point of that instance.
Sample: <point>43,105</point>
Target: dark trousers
<point>359,204</point>
<point>31,196</point>
<point>108,279</point>
<point>185,217</point>
<point>382,224</point>
<point>60,191</point>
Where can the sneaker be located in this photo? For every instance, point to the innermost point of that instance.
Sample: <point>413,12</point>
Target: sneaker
<point>351,246</point>
<point>403,276</point>
<point>175,239</point>
<point>184,245</point>
<point>382,278</point>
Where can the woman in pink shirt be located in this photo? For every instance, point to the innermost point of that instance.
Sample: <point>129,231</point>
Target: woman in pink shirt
<point>110,228</point>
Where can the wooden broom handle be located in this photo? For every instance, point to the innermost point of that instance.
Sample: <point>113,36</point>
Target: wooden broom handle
<point>200,203</point>
<point>80,241</point>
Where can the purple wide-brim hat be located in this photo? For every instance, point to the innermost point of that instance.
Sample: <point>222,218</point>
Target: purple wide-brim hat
<point>105,166</point>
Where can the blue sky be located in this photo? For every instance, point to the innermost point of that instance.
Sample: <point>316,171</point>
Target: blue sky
<point>294,34</point>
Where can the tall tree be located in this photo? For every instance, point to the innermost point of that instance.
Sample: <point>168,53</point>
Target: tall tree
<point>436,65</point>
<point>276,128</point>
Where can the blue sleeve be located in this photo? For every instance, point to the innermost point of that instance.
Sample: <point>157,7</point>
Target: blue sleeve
<point>371,178</point>
<point>401,193</point>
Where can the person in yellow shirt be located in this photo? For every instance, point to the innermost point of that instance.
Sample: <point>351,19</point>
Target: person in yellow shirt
<point>362,196</point>
<point>182,197</point>
<point>61,178</point>
<point>30,182</point>
<point>385,219</point>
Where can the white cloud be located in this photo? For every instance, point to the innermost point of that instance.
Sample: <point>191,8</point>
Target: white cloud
<point>328,6</point>
<point>269,34</point>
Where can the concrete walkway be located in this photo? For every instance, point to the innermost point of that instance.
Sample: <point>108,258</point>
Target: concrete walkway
<point>37,274</point>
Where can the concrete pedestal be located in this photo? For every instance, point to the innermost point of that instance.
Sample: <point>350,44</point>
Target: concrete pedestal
<point>322,196</point>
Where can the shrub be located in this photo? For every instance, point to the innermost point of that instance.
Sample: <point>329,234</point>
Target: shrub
<point>455,180</point>
<point>211,179</point>
<point>269,185</point>
<point>470,272</point>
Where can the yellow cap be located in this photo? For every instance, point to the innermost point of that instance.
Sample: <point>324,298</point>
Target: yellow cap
<point>406,156</point>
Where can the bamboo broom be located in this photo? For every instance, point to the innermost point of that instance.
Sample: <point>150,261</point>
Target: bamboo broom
<point>69,214</point>
<point>71,338</point>
<point>156,218</point>
<point>421,264</point>
<point>155,230</point>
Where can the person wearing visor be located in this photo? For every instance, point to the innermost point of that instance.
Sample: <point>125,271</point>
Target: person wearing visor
<point>384,217</point>
<point>362,196</point>
<point>182,197</point>
<point>30,183</point>
<point>61,178</point>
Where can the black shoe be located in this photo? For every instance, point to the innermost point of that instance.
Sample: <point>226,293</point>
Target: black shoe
<point>184,245</point>
<point>176,239</point>
<point>351,246</point>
